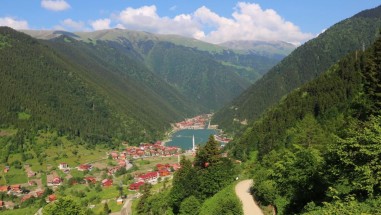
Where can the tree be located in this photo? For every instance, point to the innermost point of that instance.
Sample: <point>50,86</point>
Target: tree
<point>106,209</point>
<point>185,182</point>
<point>190,206</point>
<point>64,206</point>
<point>208,154</point>
<point>353,161</point>
<point>146,190</point>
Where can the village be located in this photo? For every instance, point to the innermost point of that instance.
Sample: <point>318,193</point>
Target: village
<point>105,173</point>
<point>95,177</point>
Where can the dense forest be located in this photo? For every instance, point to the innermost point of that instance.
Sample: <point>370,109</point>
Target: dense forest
<point>304,64</point>
<point>194,186</point>
<point>79,94</point>
<point>318,150</point>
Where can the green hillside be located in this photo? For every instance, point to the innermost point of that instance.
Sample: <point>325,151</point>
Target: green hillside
<point>317,151</point>
<point>264,48</point>
<point>77,92</point>
<point>207,74</point>
<point>302,65</point>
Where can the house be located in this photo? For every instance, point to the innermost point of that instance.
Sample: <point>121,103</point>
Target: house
<point>52,198</point>
<point>53,180</point>
<point>90,179</point>
<point>176,166</point>
<point>39,193</point>
<point>6,169</point>
<point>114,155</point>
<point>16,188</point>
<point>164,173</point>
<point>63,166</point>
<point>150,177</point>
<point>85,167</point>
<point>26,197</point>
<point>5,188</point>
<point>107,182</point>
<point>136,185</point>
<point>119,201</point>
<point>2,204</point>
<point>32,183</point>
<point>122,163</point>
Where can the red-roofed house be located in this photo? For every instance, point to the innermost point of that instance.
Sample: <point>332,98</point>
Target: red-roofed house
<point>5,188</point>
<point>176,166</point>
<point>24,198</point>
<point>107,182</point>
<point>136,185</point>
<point>16,188</point>
<point>90,179</point>
<point>52,198</point>
<point>150,177</point>
<point>39,193</point>
<point>84,167</point>
<point>122,163</point>
<point>114,155</point>
<point>164,173</point>
<point>2,204</point>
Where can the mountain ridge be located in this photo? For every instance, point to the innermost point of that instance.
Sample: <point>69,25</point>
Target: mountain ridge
<point>303,64</point>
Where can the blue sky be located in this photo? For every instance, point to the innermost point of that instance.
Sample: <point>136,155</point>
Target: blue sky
<point>212,21</point>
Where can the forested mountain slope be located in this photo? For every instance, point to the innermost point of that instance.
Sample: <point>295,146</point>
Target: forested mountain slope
<point>317,151</point>
<point>265,48</point>
<point>207,74</point>
<point>302,65</point>
<point>80,94</point>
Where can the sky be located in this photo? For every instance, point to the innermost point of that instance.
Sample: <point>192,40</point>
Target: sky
<point>214,21</point>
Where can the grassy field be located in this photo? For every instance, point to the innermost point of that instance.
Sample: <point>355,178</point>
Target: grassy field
<point>23,211</point>
<point>15,176</point>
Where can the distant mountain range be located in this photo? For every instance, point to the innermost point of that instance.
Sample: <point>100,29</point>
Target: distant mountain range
<point>116,84</point>
<point>208,75</point>
<point>302,65</point>
<point>265,48</point>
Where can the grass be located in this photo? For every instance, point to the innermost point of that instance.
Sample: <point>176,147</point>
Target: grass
<point>16,176</point>
<point>223,201</point>
<point>23,116</point>
<point>23,211</point>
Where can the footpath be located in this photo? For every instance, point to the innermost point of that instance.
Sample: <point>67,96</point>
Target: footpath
<point>242,189</point>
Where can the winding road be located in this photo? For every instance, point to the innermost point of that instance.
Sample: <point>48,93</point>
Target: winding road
<point>242,189</point>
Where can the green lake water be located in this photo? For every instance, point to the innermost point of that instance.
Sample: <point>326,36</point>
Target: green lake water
<point>183,138</point>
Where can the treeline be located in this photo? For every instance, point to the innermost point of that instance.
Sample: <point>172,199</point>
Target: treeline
<point>302,65</point>
<point>318,150</point>
<point>193,184</point>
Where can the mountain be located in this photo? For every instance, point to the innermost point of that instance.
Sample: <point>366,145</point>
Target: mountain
<point>317,150</point>
<point>304,64</point>
<point>207,74</point>
<point>265,48</point>
<point>72,87</point>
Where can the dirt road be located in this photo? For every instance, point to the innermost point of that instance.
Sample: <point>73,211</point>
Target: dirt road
<point>242,189</point>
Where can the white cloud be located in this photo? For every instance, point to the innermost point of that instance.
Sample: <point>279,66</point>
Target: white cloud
<point>173,8</point>
<point>101,24</point>
<point>147,19</point>
<point>13,23</point>
<point>55,5</point>
<point>247,22</point>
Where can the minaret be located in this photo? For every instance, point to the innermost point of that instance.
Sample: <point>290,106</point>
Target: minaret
<point>194,148</point>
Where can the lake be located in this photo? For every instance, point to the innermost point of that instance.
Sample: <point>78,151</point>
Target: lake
<point>183,138</point>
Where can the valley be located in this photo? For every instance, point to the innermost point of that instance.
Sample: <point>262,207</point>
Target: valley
<point>193,110</point>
